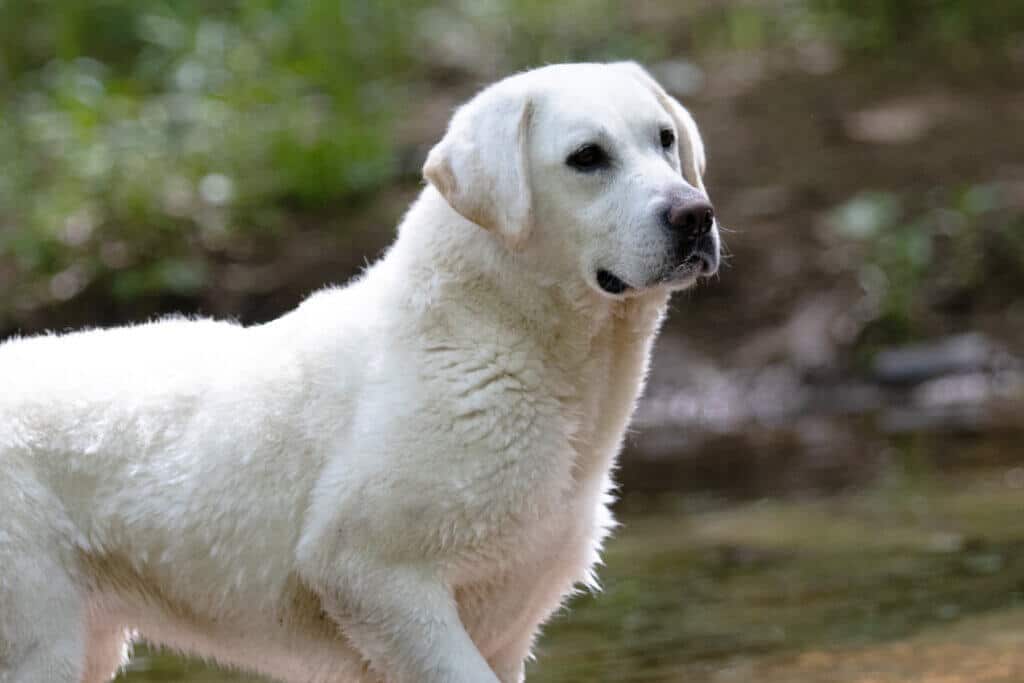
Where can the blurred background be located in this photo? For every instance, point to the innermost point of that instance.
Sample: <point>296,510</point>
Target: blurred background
<point>826,478</point>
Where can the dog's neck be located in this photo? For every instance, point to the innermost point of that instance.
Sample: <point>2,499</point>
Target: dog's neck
<point>594,348</point>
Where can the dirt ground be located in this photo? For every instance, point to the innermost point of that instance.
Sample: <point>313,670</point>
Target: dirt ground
<point>976,650</point>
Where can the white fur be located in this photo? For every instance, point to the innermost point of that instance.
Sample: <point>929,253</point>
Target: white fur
<point>401,479</point>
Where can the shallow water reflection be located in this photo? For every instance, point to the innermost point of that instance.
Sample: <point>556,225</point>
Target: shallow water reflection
<point>918,575</point>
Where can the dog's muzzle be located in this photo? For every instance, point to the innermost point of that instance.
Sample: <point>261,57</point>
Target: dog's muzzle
<point>691,220</point>
<point>705,255</point>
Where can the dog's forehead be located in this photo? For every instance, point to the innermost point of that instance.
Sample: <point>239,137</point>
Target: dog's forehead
<point>602,96</point>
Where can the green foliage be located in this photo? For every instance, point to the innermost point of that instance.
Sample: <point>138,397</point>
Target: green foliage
<point>957,250</point>
<point>956,28</point>
<point>945,33</point>
<point>141,137</point>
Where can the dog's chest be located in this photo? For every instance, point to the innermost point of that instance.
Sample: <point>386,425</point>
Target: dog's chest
<point>536,557</point>
<point>545,428</point>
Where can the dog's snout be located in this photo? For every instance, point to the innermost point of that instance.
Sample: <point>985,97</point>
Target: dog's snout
<point>690,220</point>
<point>692,217</point>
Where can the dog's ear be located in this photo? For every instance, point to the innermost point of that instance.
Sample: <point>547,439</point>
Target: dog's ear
<point>481,166</point>
<point>691,147</point>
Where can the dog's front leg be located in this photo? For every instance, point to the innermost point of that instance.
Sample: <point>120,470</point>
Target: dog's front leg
<point>405,622</point>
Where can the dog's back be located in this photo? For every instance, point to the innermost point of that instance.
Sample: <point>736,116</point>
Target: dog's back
<point>107,393</point>
<point>127,461</point>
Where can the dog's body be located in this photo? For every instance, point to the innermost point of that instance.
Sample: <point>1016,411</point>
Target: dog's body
<point>400,480</point>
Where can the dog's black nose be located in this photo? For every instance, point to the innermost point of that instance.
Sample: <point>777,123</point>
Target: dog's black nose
<point>693,218</point>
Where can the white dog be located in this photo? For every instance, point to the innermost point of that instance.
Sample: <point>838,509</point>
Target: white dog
<point>403,478</point>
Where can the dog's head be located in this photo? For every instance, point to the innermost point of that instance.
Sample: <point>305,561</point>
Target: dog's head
<point>589,169</point>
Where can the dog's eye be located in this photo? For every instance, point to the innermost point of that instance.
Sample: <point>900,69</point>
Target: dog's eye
<point>589,157</point>
<point>667,137</point>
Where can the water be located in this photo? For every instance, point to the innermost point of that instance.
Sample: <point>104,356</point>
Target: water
<point>914,571</point>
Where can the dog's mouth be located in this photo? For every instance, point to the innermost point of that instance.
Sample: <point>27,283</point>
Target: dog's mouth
<point>700,263</point>
<point>610,283</point>
<point>696,266</point>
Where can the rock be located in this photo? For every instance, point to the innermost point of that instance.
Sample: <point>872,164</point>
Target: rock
<point>901,121</point>
<point>917,363</point>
